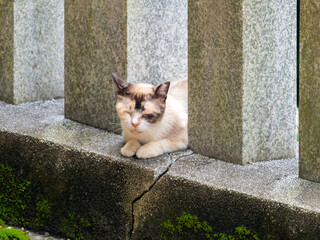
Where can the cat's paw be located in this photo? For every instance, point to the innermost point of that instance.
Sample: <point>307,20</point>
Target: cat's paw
<point>130,148</point>
<point>147,151</point>
<point>127,152</point>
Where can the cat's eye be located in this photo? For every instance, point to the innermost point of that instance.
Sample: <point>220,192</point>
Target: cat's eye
<point>148,116</point>
<point>126,93</point>
<point>128,113</point>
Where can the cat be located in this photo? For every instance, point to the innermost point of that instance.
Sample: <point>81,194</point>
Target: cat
<point>154,119</point>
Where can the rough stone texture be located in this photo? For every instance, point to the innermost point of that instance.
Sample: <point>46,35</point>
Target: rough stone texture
<point>79,167</point>
<point>269,81</point>
<point>157,40</point>
<point>242,79</point>
<point>31,53</point>
<point>95,46</point>
<point>309,104</point>
<point>215,74</point>
<point>262,195</point>
<point>6,50</point>
<point>80,170</point>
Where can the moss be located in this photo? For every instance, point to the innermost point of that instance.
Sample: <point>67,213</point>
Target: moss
<point>23,204</point>
<point>20,204</point>
<point>2,224</point>
<point>188,226</point>
<point>43,212</point>
<point>75,228</point>
<point>12,234</point>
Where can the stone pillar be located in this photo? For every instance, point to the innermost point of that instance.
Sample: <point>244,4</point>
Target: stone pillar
<point>95,47</point>
<point>157,40</point>
<point>150,44</point>
<point>242,79</point>
<point>309,104</point>
<point>31,50</point>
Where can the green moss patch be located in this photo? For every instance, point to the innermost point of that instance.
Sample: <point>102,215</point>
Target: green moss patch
<point>12,234</point>
<point>2,224</point>
<point>75,228</point>
<point>188,226</point>
<point>20,205</point>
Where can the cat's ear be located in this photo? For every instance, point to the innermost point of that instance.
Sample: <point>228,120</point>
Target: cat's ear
<point>121,84</point>
<point>162,91</point>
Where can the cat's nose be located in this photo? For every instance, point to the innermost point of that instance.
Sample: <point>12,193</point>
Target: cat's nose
<point>135,124</point>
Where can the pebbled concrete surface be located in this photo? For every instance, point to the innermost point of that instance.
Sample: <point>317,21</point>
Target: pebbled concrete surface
<point>157,40</point>
<point>266,195</point>
<point>95,47</point>
<point>31,50</point>
<point>242,79</point>
<point>80,169</point>
<point>309,126</point>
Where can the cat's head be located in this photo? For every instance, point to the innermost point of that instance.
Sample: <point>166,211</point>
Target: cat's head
<point>140,105</point>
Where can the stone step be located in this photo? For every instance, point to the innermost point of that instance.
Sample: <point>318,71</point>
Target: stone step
<point>80,167</point>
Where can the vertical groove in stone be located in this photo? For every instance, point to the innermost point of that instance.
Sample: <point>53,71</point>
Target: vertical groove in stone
<point>215,74</point>
<point>6,51</point>
<point>309,103</point>
<point>269,101</point>
<point>95,47</point>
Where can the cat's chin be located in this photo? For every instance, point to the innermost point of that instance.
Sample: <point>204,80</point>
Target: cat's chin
<point>135,131</point>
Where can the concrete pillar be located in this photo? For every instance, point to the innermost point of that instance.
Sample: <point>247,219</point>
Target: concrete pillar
<point>157,40</point>
<point>150,45</point>
<point>242,79</point>
<point>31,50</point>
<point>95,47</point>
<point>309,104</point>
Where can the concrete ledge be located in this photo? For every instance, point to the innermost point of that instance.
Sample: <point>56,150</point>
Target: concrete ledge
<point>80,168</point>
<point>263,196</point>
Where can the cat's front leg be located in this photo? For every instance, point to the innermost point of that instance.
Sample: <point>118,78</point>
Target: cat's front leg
<point>130,148</point>
<point>156,148</point>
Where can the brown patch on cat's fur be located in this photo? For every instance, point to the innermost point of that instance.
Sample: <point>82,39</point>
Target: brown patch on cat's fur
<point>139,94</point>
<point>135,96</point>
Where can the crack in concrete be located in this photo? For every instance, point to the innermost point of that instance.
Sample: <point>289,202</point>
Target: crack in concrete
<point>150,188</point>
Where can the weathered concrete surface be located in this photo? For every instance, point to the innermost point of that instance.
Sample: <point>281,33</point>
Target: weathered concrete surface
<point>215,75</point>
<point>31,50</point>
<point>95,47</point>
<point>6,50</point>
<point>78,167</point>
<point>157,40</point>
<point>269,80</point>
<point>309,104</point>
<point>242,79</point>
<point>262,195</point>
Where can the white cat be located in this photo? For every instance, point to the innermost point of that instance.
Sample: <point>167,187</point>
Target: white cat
<point>154,119</point>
